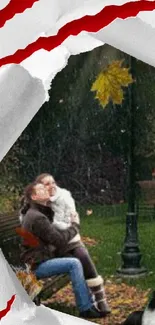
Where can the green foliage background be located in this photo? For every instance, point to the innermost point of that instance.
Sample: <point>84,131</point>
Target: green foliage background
<point>82,145</point>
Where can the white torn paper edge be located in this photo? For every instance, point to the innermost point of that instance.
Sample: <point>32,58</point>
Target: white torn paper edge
<point>21,95</point>
<point>23,92</point>
<point>24,311</point>
<point>45,18</point>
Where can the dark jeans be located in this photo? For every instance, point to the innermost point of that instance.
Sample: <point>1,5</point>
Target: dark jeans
<point>89,268</point>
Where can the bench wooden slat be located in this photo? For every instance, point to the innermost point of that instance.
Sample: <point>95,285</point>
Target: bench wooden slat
<point>7,221</point>
<point>53,285</point>
<point>146,204</point>
<point>10,245</point>
<point>8,225</point>
<point>5,230</point>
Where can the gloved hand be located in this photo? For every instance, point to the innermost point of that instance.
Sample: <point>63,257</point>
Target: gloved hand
<point>75,218</point>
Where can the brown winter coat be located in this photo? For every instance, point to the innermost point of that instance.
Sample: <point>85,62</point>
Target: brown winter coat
<point>52,242</point>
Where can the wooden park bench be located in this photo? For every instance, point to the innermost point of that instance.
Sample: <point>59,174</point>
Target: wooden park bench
<point>146,201</point>
<point>10,245</point>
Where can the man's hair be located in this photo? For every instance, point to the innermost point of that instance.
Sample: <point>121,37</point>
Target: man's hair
<point>24,205</point>
<point>29,190</point>
<point>40,177</point>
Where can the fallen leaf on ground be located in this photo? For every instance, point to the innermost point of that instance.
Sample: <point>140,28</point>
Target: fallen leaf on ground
<point>89,241</point>
<point>123,300</point>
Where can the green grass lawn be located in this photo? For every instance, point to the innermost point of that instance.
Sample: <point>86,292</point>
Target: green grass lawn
<point>107,225</point>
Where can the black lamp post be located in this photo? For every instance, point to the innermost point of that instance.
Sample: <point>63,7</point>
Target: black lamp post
<point>131,255</point>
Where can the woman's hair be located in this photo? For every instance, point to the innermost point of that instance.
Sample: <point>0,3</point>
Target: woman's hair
<point>40,177</point>
<point>29,190</point>
<point>24,205</point>
<point>26,199</point>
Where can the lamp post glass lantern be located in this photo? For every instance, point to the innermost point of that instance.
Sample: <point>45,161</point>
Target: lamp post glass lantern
<point>131,255</point>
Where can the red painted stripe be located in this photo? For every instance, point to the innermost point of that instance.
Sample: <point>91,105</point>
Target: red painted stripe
<point>86,23</point>
<point>14,7</point>
<point>5,311</point>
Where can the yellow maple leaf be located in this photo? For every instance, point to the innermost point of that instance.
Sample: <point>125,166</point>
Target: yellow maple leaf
<point>109,83</point>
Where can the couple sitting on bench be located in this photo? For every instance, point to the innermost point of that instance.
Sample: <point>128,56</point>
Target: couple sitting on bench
<point>49,214</point>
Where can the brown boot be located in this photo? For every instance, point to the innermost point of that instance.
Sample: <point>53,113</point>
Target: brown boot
<point>97,289</point>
